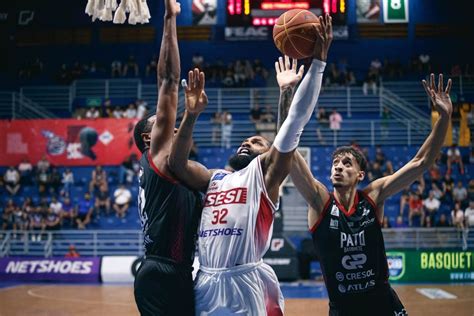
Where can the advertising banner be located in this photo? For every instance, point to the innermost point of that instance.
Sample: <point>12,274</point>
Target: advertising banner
<point>67,142</point>
<point>50,269</point>
<point>431,265</point>
<point>119,268</point>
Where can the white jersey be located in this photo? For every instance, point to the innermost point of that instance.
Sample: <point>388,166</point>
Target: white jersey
<point>235,232</point>
<point>237,219</point>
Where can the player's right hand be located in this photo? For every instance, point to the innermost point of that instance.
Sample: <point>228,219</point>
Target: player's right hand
<point>287,72</point>
<point>324,37</point>
<point>195,96</point>
<point>438,95</point>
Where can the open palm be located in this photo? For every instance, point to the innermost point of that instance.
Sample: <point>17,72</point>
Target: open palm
<point>438,95</point>
<point>195,96</point>
<point>287,76</point>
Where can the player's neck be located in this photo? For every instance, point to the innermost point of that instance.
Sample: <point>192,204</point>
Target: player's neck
<point>345,196</point>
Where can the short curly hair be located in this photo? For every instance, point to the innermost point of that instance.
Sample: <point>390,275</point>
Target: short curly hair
<point>142,126</point>
<point>358,155</point>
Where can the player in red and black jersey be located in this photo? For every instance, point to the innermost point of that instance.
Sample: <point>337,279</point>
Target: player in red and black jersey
<point>346,224</point>
<point>169,211</point>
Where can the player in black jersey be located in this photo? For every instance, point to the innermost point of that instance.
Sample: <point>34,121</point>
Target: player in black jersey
<point>169,212</point>
<point>346,224</point>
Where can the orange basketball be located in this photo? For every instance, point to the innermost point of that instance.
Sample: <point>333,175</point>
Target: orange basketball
<point>294,33</point>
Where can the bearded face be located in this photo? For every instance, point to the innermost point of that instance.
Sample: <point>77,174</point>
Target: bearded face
<point>239,162</point>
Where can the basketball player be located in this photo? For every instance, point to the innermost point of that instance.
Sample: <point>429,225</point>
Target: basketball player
<point>346,224</point>
<point>237,218</point>
<point>169,212</point>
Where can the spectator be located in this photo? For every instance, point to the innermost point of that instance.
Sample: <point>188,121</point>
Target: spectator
<point>7,215</point>
<point>469,214</point>
<point>454,157</point>
<point>448,186</point>
<point>72,252</point>
<point>98,178</point>
<point>256,113</point>
<point>323,123</point>
<point>67,181</point>
<point>43,178</point>
<point>385,122</point>
<point>404,199</point>
<point>370,82</point>
<point>399,222</point>
<point>36,222</point>
<point>43,164</point>
<point>443,221</point>
<point>375,172</point>
<point>131,67</point>
<point>470,190</point>
<point>118,112</point>
<point>85,208</point>
<point>386,223</point>
<point>52,220</point>
<point>268,116</point>
<point>150,69</point>
<point>457,216</point>
<point>226,129</point>
<point>116,69</point>
<point>460,194</point>
<point>55,181</point>
<point>335,120</point>
<point>428,222</point>
<point>415,211</point>
<point>11,180</point>
<point>126,172</point>
<point>19,220</point>
<point>216,121</point>
<point>122,198</point>
<point>56,206</point>
<point>198,61</point>
<point>431,205</point>
<point>68,212</point>
<point>385,165</point>
<point>142,108</point>
<point>26,172</point>
<point>92,113</point>
<point>102,201</point>
<point>131,111</point>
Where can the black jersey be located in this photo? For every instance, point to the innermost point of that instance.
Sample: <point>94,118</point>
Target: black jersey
<point>169,214</point>
<point>351,249</point>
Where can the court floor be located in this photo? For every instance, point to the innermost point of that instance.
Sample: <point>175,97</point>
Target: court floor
<point>300,300</point>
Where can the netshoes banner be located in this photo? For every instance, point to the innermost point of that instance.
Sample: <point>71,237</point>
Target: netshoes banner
<point>51,269</point>
<point>431,265</point>
<point>67,142</point>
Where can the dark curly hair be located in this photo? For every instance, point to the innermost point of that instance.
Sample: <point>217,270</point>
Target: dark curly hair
<point>358,155</point>
<point>142,126</point>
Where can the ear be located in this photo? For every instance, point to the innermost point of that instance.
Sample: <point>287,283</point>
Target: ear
<point>361,176</point>
<point>146,137</point>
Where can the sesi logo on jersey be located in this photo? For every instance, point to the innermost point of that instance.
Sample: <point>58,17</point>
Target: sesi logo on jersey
<point>233,196</point>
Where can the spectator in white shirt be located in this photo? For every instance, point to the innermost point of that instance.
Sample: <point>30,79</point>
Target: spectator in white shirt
<point>131,111</point>
<point>431,205</point>
<point>142,108</point>
<point>92,113</point>
<point>454,157</point>
<point>122,198</point>
<point>460,194</point>
<point>12,180</point>
<point>469,214</point>
<point>56,206</point>
<point>67,180</point>
<point>457,216</point>
<point>118,112</point>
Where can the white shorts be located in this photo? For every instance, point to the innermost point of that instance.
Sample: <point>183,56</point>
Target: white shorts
<point>249,289</point>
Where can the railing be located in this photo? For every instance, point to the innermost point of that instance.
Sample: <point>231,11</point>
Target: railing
<point>129,242</point>
<point>17,106</point>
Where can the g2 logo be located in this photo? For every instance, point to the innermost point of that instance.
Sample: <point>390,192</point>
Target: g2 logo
<point>352,262</point>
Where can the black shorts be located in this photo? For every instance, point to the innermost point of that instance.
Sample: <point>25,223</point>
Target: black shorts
<point>380,303</point>
<point>164,288</point>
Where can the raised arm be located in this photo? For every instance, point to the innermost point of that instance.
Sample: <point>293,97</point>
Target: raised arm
<point>384,187</point>
<point>190,172</point>
<point>276,162</point>
<point>313,191</point>
<point>168,83</point>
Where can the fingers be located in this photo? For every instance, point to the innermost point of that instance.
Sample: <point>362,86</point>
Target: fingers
<point>282,64</point>
<point>287,62</point>
<point>196,78</point>
<point>202,80</point>
<point>448,86</point>
<point>301,71</point>
<point>190,79</point>
<point>440,82</point>
<point>277,67</point>
<point>295,64</point>
<point>432,81</point>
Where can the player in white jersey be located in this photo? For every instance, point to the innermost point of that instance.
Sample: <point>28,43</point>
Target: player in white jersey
<point>237,219</point>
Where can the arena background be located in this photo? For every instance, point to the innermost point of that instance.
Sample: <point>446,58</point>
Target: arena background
<point>56,65</point>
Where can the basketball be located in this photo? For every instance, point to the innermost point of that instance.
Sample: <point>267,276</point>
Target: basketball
<point>294,34</point>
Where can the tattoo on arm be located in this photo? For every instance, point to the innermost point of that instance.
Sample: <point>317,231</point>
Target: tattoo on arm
<point>286,96</point>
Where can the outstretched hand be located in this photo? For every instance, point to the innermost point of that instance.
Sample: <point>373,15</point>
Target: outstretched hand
<point>287,75</point>
<point>324,37</point>
<point>195,96</point>
<point>438,95</point>
<point>172,8</point>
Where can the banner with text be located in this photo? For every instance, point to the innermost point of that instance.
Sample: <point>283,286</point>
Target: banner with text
<point>67,142</point>
<point>431,265</point>
<point>50,269</point>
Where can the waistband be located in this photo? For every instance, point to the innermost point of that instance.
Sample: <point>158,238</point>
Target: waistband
<point>169,261</point>
<point>241,268</point>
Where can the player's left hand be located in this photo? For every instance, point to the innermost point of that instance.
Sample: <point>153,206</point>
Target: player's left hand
<point>324,37</point>
<point>287,75</point>
<point>438,95</point>
<point>195,96</point>
<point>172,8</point>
